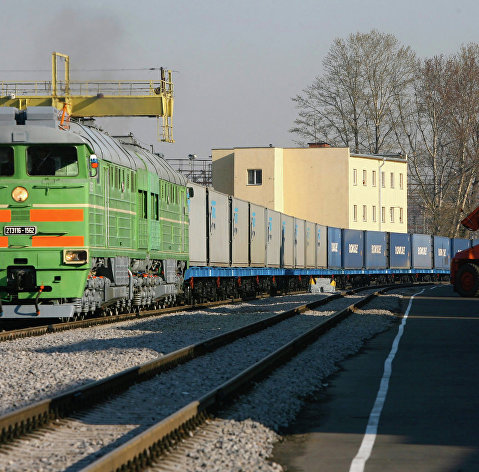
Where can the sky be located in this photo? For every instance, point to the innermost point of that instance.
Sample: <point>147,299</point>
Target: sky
<point>236,65</point>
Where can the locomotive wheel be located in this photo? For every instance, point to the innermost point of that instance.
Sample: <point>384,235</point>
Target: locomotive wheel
<point>467,280</point>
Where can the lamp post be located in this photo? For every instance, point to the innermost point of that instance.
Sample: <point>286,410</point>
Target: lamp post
<point>191,157</point>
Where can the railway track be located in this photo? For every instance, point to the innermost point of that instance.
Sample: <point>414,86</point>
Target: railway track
<point>55,327</point>
<point>164,427</point>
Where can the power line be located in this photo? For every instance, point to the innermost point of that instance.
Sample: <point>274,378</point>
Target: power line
<point>88,70</point>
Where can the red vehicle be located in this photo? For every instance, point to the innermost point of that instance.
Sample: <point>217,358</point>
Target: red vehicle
<point>465,264</point>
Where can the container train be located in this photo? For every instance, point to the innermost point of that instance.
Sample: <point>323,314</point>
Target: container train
<point>90,223</point>
<point>269,250</point>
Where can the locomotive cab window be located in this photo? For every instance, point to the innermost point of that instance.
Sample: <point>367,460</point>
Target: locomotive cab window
<point>58,161</point>
<point>6,162</point>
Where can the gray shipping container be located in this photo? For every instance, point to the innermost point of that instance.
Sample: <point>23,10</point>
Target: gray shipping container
<point>310,244</point>
<point>197,227</point>
<point>273,237</point>
<point>287,241</point>
<point>257,232</point>
<point>219,230</point>
<point>239,232</point>
<point>321,246</point>
<point>299,255</point>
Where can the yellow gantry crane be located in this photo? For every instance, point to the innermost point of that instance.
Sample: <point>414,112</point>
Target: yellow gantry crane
<point>80,99</point>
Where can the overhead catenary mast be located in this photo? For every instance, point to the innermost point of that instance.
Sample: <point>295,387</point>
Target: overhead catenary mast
<point>82,99</point>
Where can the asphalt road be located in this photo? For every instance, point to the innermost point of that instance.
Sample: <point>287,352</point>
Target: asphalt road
<point>428,419</point>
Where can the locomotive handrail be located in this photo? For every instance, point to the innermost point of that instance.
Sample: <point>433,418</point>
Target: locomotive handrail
<point>52,232</point>
<point>58,186</point>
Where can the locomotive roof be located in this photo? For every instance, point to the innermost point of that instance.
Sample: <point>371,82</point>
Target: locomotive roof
<point>41,126</point>
<point>127,154</point>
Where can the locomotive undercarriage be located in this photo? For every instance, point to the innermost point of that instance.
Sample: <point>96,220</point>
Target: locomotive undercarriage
<point>121,284</point>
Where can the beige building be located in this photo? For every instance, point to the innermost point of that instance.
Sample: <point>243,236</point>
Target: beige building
<point>322,184</point>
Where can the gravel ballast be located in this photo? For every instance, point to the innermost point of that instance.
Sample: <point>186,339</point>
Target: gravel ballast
<point>42,366</point>
<point>243,436</point>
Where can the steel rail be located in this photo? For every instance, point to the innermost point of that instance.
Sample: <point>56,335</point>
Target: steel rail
<point>144,448</point>
<point>29,418</point>
<point>21,333</point>
<point>103,320</point>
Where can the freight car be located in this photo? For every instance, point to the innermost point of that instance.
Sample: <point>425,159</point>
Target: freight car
<point>280,252</point>
<point>90,223</point>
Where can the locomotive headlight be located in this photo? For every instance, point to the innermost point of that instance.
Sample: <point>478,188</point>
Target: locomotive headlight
<point>19,194</point>
<point>75,256</point>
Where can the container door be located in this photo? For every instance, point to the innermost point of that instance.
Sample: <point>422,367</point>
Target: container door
<point>353,249</point>
<point>399,251</point>
<point>198,232</point>
<point>321,241</point>
<point>310,247</point>
<point>257,230</point>
<point>273,237</point>
<point>334,248</point>
<point>219,229</point>
<point>375,250</point>
<point>287,241</point>
<point>299,246</point>
<point>239,232</point>
<point>460,244</point>
<point>421,251</point>
<point>442,252</point>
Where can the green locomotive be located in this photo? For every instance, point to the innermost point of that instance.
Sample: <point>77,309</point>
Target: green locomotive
<point>88,222</point>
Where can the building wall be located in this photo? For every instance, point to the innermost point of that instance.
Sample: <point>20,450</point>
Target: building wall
<point>230,174</point>
<point>222,170</point>
<point>317,184</point>
<point>366,192</point>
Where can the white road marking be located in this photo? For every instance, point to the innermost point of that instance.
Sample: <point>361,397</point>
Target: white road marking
<point>359,462</point>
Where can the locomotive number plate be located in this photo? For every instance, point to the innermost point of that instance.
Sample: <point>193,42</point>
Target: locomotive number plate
<point>9,230</point>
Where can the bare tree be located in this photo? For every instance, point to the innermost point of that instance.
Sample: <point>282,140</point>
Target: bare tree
<point>438,128</point>
<point>351,104</point>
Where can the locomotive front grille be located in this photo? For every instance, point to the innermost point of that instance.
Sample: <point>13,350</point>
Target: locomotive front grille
<point>20,214</point>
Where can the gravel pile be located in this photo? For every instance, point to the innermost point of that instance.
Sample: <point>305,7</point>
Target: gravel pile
<point>243,437</point>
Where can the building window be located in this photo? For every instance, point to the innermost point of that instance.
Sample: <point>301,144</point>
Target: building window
<point>374,178</point>
<point>383,179</point>
<point>365,178</point>
<point>392,179</point>
<point>401,181</point>
<point>383,214</point>
<point>391,211</point>
<point>400,215</point>
<point>255,177</point>
<point>355,176</point>
<point>365,213</point>
<point>374,213</point>
<point>355,213</point>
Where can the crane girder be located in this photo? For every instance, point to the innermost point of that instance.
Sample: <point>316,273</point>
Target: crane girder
<point>80,99</point>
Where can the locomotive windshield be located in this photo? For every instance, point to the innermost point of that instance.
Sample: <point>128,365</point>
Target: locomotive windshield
<point>49,160</point>
<point>6,161</point>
